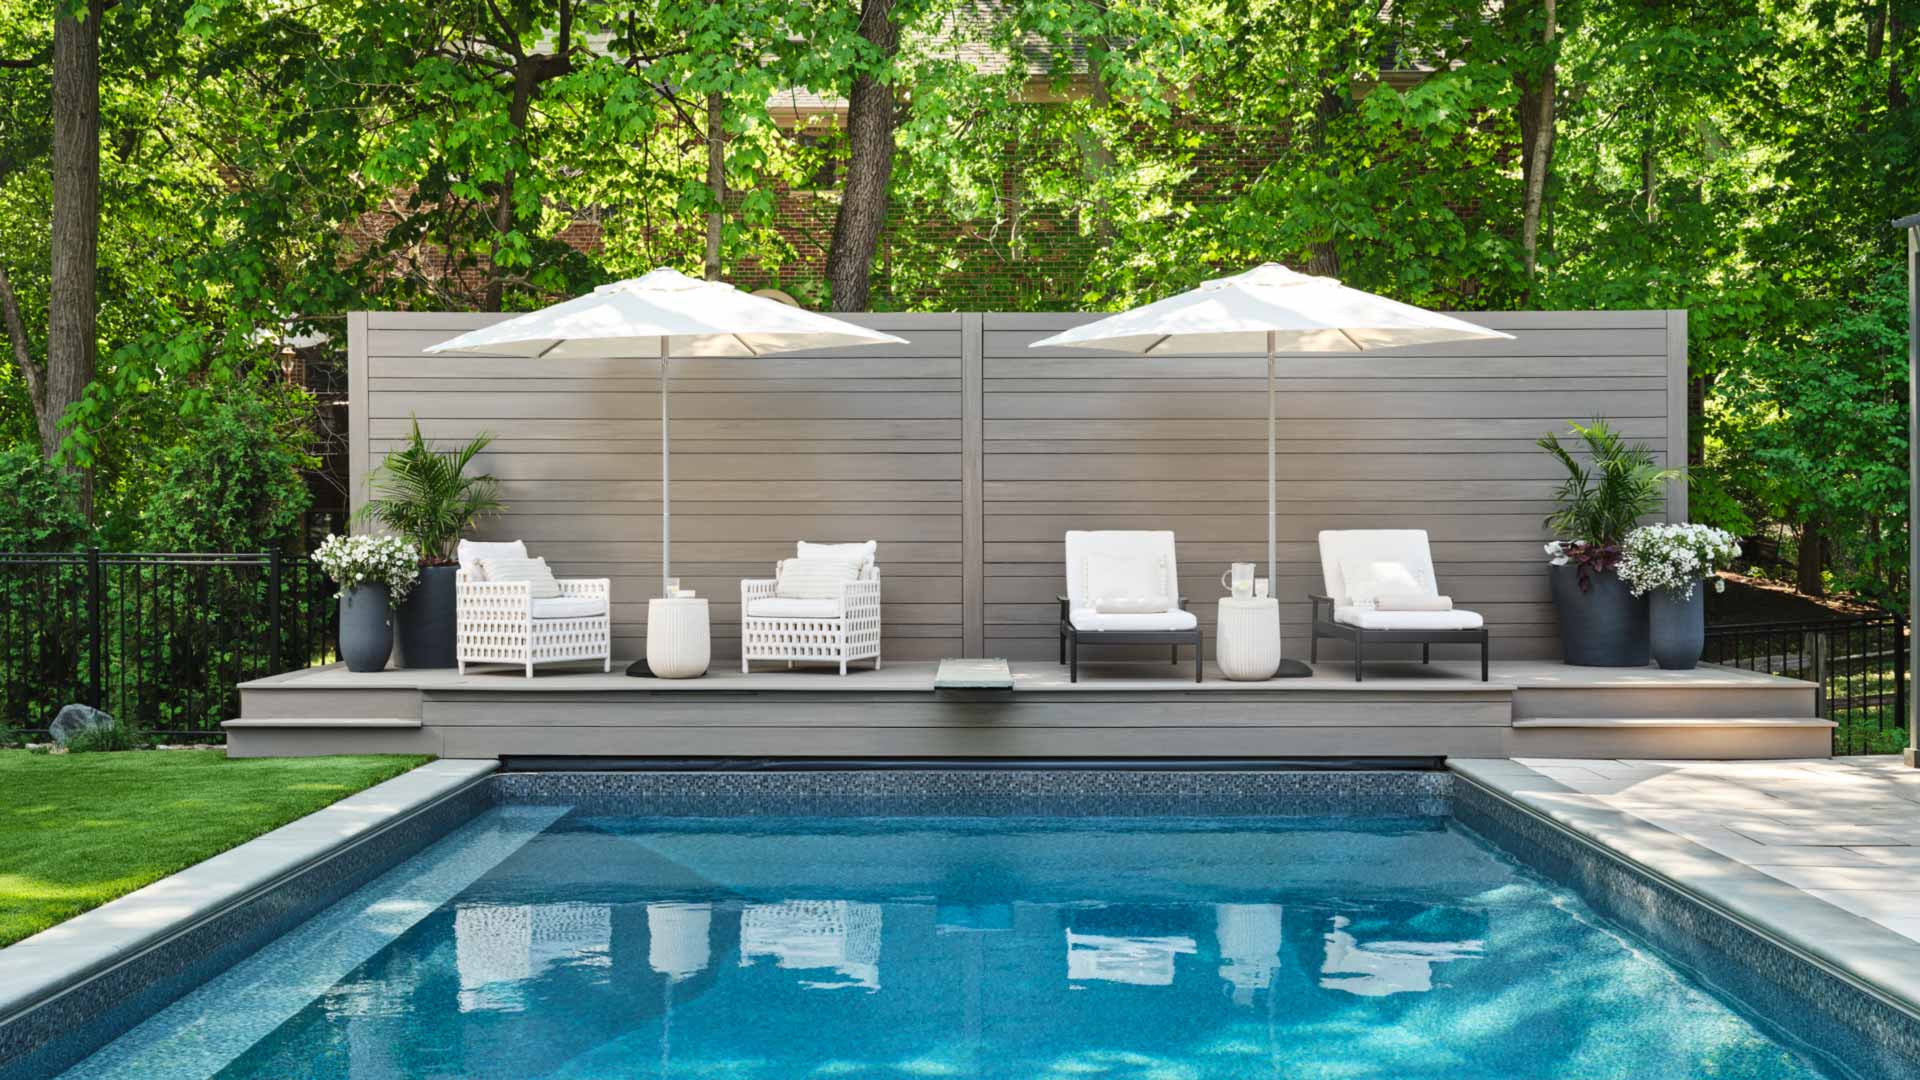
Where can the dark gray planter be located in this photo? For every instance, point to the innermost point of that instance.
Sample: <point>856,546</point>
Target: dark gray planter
<point>1602,626</point>
<point>366,628</point>
<point>1678,627</point>
<point>425,623</point>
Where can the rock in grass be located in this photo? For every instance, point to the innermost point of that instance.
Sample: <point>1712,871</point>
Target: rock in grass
<point>74,719</point>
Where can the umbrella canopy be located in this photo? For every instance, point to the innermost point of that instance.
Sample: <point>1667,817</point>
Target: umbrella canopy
<point>663,314</point>
<point>663,310</point>
<point>1275,309</point>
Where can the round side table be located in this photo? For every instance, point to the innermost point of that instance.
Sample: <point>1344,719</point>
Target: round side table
<point>1246,640</point>
<point>678,645</point>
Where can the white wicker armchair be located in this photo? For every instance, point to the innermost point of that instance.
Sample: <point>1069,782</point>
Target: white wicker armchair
<point>501,623</point>
<point>816,631</point>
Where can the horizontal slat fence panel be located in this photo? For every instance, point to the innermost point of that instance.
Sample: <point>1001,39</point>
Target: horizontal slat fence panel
<point>886,444</point>
<point>1434,437</point>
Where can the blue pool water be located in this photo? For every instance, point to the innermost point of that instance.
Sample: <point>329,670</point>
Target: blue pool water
<point>542,942</point>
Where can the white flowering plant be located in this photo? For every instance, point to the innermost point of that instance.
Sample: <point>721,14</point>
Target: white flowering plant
<point>1676,557</point>
<point>370,560</point>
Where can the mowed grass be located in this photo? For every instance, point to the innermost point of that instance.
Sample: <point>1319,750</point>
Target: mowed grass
<point>77,830</point>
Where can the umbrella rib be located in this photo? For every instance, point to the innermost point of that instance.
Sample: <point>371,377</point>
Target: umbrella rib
<point>1155,345</point>
<point>743,344</point>
<point>1357,347</point>
<point>543,352</point>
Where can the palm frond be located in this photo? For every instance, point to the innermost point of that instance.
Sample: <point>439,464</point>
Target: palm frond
<point>424,495</point>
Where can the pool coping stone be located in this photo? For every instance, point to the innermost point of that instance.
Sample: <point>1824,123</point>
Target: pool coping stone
<point>62,956</point>
<point>1853,948</point>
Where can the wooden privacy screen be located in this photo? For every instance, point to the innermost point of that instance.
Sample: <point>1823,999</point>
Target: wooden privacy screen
<point>967,455</point>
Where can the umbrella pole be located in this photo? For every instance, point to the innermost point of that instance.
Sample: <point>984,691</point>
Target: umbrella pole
<point>666,487</point>
<point>1273,580</point>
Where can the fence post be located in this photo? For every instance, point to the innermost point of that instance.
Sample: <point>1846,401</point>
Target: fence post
<point>273,610</point>
<point>96,633</point>
<point>1900,669</point>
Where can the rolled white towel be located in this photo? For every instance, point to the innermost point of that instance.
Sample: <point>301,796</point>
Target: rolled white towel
<point>1413,602</point>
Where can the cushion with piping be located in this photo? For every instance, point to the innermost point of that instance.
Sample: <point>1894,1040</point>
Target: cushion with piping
<point>863,553</point>
<point>472,551</point>
<point>540,582</point>
<point>814,579</point>
<point>1127,584</point>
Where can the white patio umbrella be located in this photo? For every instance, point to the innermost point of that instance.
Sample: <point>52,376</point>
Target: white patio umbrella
<point>663,314</point>
<point>1276,309</point>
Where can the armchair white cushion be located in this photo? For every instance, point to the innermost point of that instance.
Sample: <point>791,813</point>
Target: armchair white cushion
<point>504,622</point>
<point>1358,566</point>
<point>823,606</point>
<point>1124,580</point>
<point>472,551</point>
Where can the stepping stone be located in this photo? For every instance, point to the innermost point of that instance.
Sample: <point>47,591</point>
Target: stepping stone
<point>973,675</point>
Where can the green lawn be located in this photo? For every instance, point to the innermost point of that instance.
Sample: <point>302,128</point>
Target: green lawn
<point>77,830</point>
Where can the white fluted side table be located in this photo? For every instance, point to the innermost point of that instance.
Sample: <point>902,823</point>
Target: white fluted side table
<point>678,643</point>
<point>1246,639</point>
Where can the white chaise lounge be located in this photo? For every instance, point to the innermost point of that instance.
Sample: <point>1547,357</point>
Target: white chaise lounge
<point>1123,588</point>
<point>821,606</point>
<point>522,615</point>
<point>1381,590</point>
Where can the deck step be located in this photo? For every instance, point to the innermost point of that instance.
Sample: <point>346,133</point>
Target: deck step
<point>361,723</point>
<point>1655,722</point>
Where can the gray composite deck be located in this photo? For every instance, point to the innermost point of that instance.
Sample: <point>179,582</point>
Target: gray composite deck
<point>968,456</point>
<point>1116,710</point>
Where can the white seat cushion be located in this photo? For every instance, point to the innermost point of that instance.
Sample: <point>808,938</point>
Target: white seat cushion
<point>1370,619</point>
<point>568,607</point>
<point>1095,621</point>
<point>781,607</point>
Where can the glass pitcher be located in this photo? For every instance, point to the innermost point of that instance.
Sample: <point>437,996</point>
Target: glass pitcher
<point>1238,580</point>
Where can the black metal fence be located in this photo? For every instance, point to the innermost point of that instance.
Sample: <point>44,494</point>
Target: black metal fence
<point>161,640</point>
<point>1859,665</point>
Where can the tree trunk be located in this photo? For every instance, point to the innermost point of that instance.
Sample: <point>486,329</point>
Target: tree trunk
<point>1807,572</point>
<point>863,199</point>
<point>72,309</point>
<point>1537,91</point>
<point>716,179</point>
<point>525,82</point>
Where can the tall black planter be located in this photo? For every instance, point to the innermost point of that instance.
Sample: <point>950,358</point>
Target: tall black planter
<point>1679,627</point>
<point>424,626</point>
<point>366,630</point>
<point>1603,626</point>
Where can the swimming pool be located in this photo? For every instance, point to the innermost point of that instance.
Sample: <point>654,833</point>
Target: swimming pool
<point>611,938</point>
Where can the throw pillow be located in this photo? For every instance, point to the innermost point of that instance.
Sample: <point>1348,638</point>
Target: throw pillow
<point>472,551</point>
<point>540,582</point>
<point>861,554</point>
<point>814,579</point>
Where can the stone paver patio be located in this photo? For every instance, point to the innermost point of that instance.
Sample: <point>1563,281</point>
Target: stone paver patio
<point>1845,830</point>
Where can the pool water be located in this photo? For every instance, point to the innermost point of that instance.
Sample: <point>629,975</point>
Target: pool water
<point>544,942</point>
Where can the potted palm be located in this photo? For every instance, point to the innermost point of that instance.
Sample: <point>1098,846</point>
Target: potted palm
<point>1666,564</point>
<point>424,495</point>
<point>1602,622</point>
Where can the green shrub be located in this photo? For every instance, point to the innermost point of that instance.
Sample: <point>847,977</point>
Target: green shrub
<point>237,481</point>
<point>120,736</point>
<point>39,504</point>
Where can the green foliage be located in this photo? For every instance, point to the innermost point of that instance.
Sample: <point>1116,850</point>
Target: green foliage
<point>1610,485</point>
<point>115,736</point>
<point>426,496</point>
<point>40,510</point>
<point>237,482</point>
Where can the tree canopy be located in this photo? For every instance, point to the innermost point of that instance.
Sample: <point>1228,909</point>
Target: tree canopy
<point>266,167</point>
